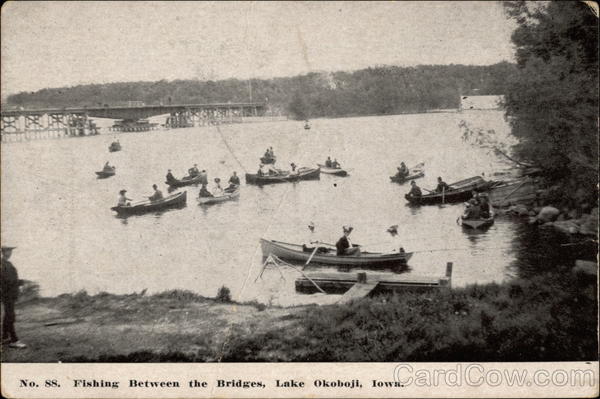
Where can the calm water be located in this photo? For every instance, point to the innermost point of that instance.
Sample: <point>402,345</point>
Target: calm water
<point>58,214</point>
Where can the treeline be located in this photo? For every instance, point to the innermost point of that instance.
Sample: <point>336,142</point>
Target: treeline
<point>552,99</point>
<point>371,91</point>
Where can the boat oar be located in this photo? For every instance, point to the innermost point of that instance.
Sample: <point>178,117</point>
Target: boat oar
<point>311,256</point>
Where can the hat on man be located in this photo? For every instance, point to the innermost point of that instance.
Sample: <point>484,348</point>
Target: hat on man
<point>217,180</point>
<point>122,191</point>
<point>347,229</point>
<point>7,248</point>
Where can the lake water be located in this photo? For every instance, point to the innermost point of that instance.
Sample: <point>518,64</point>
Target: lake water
<point>58,214</point>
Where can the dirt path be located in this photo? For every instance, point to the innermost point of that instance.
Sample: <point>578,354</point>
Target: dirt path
<point>72,327</point>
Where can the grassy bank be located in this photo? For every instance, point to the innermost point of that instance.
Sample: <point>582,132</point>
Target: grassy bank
<point>552,316</point>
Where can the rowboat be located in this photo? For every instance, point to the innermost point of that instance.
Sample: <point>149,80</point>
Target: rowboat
<point>114,146</point>
<point>514,192</point>
<point>306,126</point>
<point>221,198</point>
<point>413,173</point>
<point>332,171</point>
<point>103,174</point>
<point>477,223</point>
<point>268,160</point>
<point>296,253</point>
<point>301,174</point>
<point>174,200</point>
<point>459,192</point>
<point>185,181</point>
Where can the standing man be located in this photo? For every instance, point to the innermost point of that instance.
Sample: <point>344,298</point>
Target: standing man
<point>9,292</point>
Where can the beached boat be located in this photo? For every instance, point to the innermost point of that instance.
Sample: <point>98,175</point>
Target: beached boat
<point>296,253</point>
<point>114,146</point>
<point>301,174</point>
<point>268,160</point>
<point>221,198</point>
<point>477,223</point>
<point>174,200</point>
<point>413,173</point>
<point>103,174</point>
<point>333,171</point>
<point>185,181</point>
<point>514,192</point>
<point>459,192</point>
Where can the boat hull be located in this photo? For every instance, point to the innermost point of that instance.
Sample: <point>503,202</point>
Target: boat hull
<point>477,223</point>
<point>295,253</point>
<point>147,206</point>
<point>333,171</point>
<point>461,192</point>
<point>186,181</point>
<point>222,198</point>
<point>303,174</point>
<point>104,174</point>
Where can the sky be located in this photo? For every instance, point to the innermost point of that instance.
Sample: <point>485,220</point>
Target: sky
<point>58,44</point>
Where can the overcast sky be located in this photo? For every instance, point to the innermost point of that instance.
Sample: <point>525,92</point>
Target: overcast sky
<point>53,44</point>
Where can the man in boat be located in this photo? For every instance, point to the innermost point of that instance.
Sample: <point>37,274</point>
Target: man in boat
<point>234,181</point>
<point>328,162</point>
<point>203,177</point>
<point>170,178</point>
<point>107,167</point>
<point>260,172</point>
<point>157,196</point>
<point>9,293</point>
<point>335,164</point>
<point>473,210</point>
<point>271,153</point>
<point>415,191</point>
<point>442,186</point>
<point>293,166</point>
<point>217,189</point>
<point>344,245</point>
<point>312,242</point>
<point>123,200</point>
<point>204,193</point>
<point>402,170</point>
<point>193,171</point>
<point>484,207</point>
<point>475,196</point>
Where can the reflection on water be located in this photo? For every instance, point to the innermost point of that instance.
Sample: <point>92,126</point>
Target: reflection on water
<point>58,214</point>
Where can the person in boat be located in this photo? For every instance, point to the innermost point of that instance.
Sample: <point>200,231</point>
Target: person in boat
<point>271,153</point>
<point>312,241</point>
<point>335,164</point>
<point>267,153</point>
<point>203,177</point>
<point>204,193</point>
<point>344,246</point>
<point>107,167</point>
<point>402,170</point>
<point>234,181</point>
<point>415,191</point>
<point>261,170</point>
<point>476,197</point>
<point>217,189</point>
<point>193,171</point>
<point>170,178</point>
<point>328,162</point>
<point>123,200</point>
<point>473,210</point>
<point>484,207</point>
<point>157,196</point>
<point>442,186</point>
<point>293,166</point>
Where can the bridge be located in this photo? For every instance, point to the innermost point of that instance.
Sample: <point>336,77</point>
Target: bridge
<point>61,122</point>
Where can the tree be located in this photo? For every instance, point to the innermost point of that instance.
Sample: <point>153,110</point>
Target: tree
<point>552,99</point>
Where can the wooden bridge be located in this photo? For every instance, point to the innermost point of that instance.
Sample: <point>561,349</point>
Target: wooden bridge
<point>69,122</point>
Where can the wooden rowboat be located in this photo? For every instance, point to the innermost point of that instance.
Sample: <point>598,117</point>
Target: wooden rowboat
<point>302,174</point>
<point>221,198</point>
<point>413,173</point>
<point>185,181</point>
<point>103,174</point>
<point>459,192</point>
<point>268,160</point>
<point>477,223</point>
<point>295,253</point>
<point>170,201</point>
<point>332,171</point>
